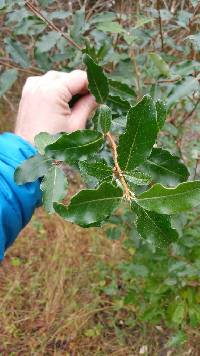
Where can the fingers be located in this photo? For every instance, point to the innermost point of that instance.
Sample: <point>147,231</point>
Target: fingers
<point>75,82</point>
<point>81,112</point>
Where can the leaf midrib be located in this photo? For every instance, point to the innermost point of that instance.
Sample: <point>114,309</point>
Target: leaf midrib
<point>80,146</point>
<point>164,168</point>
<point>169,196</point>
<point>95,200</point>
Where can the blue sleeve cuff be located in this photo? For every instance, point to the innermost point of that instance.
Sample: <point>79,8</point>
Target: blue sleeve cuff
<point>17,203</point>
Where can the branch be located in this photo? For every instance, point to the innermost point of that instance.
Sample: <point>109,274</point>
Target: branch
<point>51,25</point>
<point>13,65</point>
<point>117,170</point>
<point>160,25</point>
<point>163,81</point>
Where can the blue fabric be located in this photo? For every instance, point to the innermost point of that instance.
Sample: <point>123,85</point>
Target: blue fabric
<point>17,203</point>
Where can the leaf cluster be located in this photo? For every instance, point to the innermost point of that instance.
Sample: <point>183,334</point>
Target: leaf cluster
<point>135,164</point>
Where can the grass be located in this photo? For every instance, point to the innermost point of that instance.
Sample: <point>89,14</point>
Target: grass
<point>51,301</point>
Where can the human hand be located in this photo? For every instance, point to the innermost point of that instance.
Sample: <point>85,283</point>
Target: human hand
<point>44,105</point>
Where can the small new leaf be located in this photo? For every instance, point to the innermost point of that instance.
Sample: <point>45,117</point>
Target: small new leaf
<point>53,186</point>
<point>75,146</point>
<point>165,168</point>
<point>91,206</point>
<point>32,169</point>
<point>154,228</point>
<point>136,143</point>
<point>102,119</point>
<point>98,83</point>
<point>164,200</point>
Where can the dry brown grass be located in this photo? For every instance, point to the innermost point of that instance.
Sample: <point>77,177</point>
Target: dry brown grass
<point>51,303</point>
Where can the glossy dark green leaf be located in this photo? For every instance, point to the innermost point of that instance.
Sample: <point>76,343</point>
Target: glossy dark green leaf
<point>31,169</point>
<point>137,177</point>
<point>153,227</point>
<point>165,168</point>
<point>7,79</point>
<point>117,102</point>
<point>54,187</point>
<point>91,205</point>
<point>161,113</point>
<point>164,200</point>
<point>42,140</point>
<point>98,83</point>
<point>102,119</point>
<point>99,169</point>
<point>76,145</point>
<point>121,89</point>
<point>136,143</point>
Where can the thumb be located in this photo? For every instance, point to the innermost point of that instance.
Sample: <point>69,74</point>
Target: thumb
<point>81,112</point>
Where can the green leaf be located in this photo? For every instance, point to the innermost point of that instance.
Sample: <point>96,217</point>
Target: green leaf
<point>113,27</point>
<point>42,140</point>
<point>47,41</point>
<point>32,169</point>
<point>195,39</point>
<point>76,145</point>
<point>98,83</point>
<point>53,186</point>
<point>91,206</point>
<point>118,102</point>
<point>154,228</point>
<point>164,200</point>
<point>137,177</point>
<point>102,119</point>
<point>165,168</point>
<point>121,89</point>
<point>2,4</point>
<point>178,339</point>
<point>7,79</point>
<point>17,52</point>
<point>78,27</point>
<point>136,143</point>
<point>160,64</point>
<point>186,87</point>
<point>178,313</point>
<point>98,169</point>
<point>103,17</point>
<point>161,113</point>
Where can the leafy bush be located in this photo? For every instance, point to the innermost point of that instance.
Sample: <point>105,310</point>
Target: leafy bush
<point>147,56</point>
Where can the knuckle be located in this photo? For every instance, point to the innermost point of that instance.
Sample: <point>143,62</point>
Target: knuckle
<point>51,73</point>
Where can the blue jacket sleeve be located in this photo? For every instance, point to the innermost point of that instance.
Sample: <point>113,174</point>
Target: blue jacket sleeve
<point>17,203</point>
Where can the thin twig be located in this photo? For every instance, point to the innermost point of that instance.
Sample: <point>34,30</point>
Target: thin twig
<point>196,168</point>
<point>51,25</point>
<point>163,81</point>
<point>160,25</point>
<point>191,112</point>
<point>13,65</point>
<point>117,170</point>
